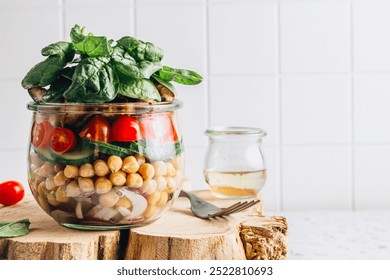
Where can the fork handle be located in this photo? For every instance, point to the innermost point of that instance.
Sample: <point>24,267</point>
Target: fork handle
<point>197,202</point>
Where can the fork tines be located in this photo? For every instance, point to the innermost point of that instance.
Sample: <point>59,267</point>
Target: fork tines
<point>239,206</point>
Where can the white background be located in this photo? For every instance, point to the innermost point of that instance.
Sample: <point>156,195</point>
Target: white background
<point>315,74</point>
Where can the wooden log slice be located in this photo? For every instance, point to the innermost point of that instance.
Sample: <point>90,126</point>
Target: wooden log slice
<point>47,240</point>
<point>180,235</point>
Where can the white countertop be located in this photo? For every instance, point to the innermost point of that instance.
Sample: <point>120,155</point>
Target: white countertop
<point>338,235</point>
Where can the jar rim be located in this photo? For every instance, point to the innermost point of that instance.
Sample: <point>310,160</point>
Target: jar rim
<point>96,108</point>
<point>235,130</point>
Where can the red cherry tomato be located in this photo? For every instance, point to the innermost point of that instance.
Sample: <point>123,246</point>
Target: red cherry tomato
<point>158,127</point>
<point>40,134</point>
<point>62,140</point>
<point>97,130</point>
<point>125,129</point>
<point>11,192</point>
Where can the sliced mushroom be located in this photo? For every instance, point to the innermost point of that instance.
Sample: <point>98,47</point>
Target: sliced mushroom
<point>37,93</point>
<point>165,93</point>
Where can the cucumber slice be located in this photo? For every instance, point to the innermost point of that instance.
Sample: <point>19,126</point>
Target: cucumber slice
<point>44,154</point>
<point>77,157</point>
<point>110,149</point>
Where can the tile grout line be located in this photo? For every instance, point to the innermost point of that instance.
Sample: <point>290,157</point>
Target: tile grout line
<point>134,18</point>
<point>280,207</point>
<point>353,185</point>
<point>61,19</point>
<point>207,61</point>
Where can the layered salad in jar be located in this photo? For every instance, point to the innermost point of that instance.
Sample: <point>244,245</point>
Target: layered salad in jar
<point>105,148</point>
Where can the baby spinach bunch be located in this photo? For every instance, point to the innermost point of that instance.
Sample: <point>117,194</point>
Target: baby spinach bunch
<point>93,69</point>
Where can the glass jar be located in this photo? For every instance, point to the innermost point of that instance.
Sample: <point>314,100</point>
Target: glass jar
<point>105,166</point>
<point>234,166</point>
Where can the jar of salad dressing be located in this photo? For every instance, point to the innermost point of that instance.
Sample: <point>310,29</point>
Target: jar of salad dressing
<point>234,166</point>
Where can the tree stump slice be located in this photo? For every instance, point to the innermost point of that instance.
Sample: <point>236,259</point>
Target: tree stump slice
<point>178,235</point>
<point>47,240</point>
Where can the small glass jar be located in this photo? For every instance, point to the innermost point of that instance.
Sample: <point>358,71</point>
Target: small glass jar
<point>234,166</point>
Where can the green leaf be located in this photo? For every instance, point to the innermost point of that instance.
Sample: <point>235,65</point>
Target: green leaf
<point>139,89</point>
<point>57,89</point>
<point>165,83</point>
<point>14,229</point>
<point>47,71</point>
<point>181,76</point>
<point>128,67</point>
<point>140,50</point>
<point>68,72</point>
<point>93,82</point>
<point>77,34</point>
<point>89,44</point>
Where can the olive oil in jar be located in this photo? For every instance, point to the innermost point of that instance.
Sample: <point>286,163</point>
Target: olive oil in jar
<point>235,184</point>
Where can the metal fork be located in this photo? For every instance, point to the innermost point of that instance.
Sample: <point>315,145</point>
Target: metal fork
<point>206,210</point>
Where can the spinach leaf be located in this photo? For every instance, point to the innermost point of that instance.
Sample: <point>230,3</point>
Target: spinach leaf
<point>46,72</point>
<point>181,76</point>
<point>89,44</point>
<point>140,50</point>
<point>77,34</point>
<point>14,229</point>
<point>139,89</point>
<point>57,89</point>
<point>68,72</point>
<point>164,83</point>
<point>129,67</point>
<point>93,82</point>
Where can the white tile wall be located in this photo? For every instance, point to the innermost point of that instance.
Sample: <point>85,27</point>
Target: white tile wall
<point>313,73</point>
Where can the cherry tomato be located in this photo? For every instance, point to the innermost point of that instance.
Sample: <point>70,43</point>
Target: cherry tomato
<point>125,129</point>
<point>159,127</point>
<point>11,192</point>
<point>41,133</point>
<point>98,130</point>
<point>62,140</point>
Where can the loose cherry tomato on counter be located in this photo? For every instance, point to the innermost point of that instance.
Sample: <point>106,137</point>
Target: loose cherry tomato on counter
<point>41,133</point>
<point>98,129</point>
<point>125,129</point>
<point>159,127</point>
<point>11,192</point>
<point>62,140</point>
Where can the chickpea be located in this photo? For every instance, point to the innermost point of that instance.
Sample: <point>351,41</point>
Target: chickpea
<point>87,170</point>
<point>51,198</point>
<point>124,202</point>
<point>50,184</point>
<point>101,168</point>
<point>109,199</point>
<point>177,162</point>
<point>86,184</point>
<point>160,168</point>
<point>118,178</point>
<point>60,195</point>
<point>73,189</point>
<point>171,171</point>
<point>43,203</point>
<point>171,184</point>
<point>150,210</point>
<point>130,164</point>
<point>58,167</point>
<point>161,182</point>
<point>134,180</point>
<point>71,171</point>
<point>140,159</point>
<point>114,163</point>
<point>163,199</point>
<point>42,191</point>
<point>149,186</point>
<point>60,179</point>
<point>46,170</point>
<point>36,160</point>
<point>153,198</point>
<point>102,185</point>
<point>146,170</point>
